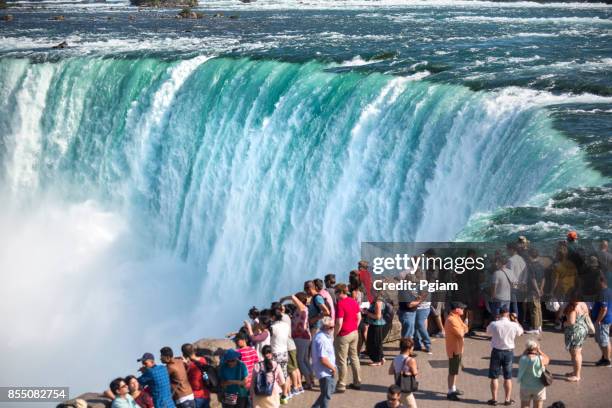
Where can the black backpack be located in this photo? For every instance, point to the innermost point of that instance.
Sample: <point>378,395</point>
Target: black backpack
<point>210,377</point>
<point>389,312</point>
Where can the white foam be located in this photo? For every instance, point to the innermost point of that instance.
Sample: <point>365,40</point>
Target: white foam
<point>80,45</point>
<point>356,62</point>
<point>418,75</point>
<point>589,111</point>
<point>525,96</point>
<point>531,20</point>
<point>524,59</point>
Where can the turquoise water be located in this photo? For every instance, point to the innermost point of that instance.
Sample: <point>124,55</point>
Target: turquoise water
<point>191,169</point>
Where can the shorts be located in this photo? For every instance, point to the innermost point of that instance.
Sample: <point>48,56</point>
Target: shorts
<point>454,364</point>
<point>602,334</point>
<point>501,362</point>
<point>535,395</point>
<point>282,359</point>
<point>292,364</point>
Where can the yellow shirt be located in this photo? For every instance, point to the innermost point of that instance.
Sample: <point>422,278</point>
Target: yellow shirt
<point>565,271</point>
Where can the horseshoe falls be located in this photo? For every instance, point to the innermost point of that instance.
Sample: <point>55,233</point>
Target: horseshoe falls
<point>159,177</point>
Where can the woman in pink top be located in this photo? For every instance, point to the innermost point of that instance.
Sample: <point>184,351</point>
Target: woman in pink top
<point>273,374</point>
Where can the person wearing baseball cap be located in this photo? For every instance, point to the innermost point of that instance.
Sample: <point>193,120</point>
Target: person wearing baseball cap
<point>157,379</point>
<point>233,375</point>
<point>503,331</point>
<point>455,330</point>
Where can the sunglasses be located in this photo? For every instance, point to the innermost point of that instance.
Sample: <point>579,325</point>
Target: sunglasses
<point>123,386</point>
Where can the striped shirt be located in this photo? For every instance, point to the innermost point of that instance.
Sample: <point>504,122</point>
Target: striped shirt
<point>249,358</point>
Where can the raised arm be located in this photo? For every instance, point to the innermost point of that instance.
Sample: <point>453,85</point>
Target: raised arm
<point>249,328</point>
<point>545,358</point>
<point>301,307</point>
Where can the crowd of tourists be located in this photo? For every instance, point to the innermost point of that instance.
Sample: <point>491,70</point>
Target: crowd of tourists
<point>317,338</point>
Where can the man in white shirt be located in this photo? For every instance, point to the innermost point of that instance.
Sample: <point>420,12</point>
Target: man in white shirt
<point>503,332</point>
<point>516,264</point>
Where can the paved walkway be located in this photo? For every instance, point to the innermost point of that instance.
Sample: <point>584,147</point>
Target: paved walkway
<point>594,391</point>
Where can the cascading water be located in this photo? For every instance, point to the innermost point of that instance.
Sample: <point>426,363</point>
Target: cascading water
<point>245,177</point>
<point>250,168</point>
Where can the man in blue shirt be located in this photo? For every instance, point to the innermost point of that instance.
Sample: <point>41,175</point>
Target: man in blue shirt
<point>602,317</point>
<point>317,309</point>
<point>324,362</point>
<point>157,379</point>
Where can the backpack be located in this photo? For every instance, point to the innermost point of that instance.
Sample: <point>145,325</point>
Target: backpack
<point>263,386</point>
<point>329,307</point>
<point>388,312</point>
<point>210,377</point>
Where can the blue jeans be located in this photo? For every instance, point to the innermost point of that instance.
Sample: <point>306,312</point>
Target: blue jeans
<point>408,320</point>
<point>202,403</point>
<point>186,404</point>
<point>421,338</point>
<point>514,303</point>
<point>495,307</point>
<point>328,386</point>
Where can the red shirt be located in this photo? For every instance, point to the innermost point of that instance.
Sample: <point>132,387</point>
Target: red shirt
<point>348,310</point>
<point>194,375</point>
<point>144,400</point>
<point>366,280</point>
<point>249,358</point>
